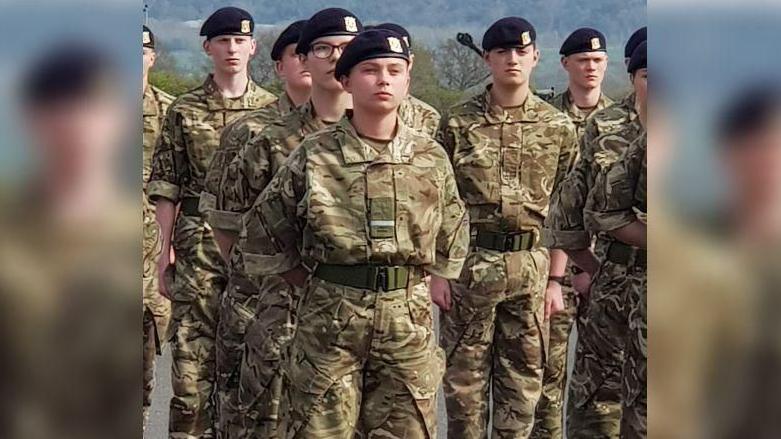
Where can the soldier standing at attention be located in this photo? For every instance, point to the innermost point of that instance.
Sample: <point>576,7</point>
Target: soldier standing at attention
<point>594,400</point>
<point>413,112</point>
<point>584,57</point>
<point>263,307</point>
<point>237,306</point>
<point>374,204</point>
<point>510,149</point>
<point>157,309</point>
<point>617,205</point>
<point>190,136</point>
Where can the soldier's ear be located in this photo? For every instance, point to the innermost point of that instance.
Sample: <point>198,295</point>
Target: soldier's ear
<point>345,81</point>
<point>564,62</point>
<point>279,69</point>
<point>207,47</point>
<point>253,46</point>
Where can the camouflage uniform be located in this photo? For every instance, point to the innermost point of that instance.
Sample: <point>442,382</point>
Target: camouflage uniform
<point>549,415</point>
<point>188,141</point>
<point>617,199</point>
<point>594,401</point>
<point>157,309</point>
<point>251,372</point>
<point>419,115</point>
<point>507,163</point>
<point>363,362</point>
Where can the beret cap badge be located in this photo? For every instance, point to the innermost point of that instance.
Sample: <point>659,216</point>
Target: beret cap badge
<point>350,25</point>
<point>146,38</point>
<point>395,45</point>
<point>526,38</point>
<point>245,26</point>
<point>595,44</point>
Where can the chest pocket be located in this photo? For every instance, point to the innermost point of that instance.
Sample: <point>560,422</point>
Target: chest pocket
<point>202,137</point>
<point>336,213</point>
<point>539,164</point>
<point>477,166</point>
<point>419,207</point>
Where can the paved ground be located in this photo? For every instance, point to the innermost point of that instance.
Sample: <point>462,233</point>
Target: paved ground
<point>157,427</point>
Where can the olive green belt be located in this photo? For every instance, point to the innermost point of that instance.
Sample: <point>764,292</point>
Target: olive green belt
<point>504,242</point>
<point>624,254</point>
<point>189,206</point>
<point>369,277</point>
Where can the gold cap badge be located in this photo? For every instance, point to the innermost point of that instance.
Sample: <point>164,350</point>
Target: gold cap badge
<point>526,38</point>
<point>245,26</point>
<point>146,38</point>
<point>595,44</point>
<point>350,25</point>
<point>395,45</point>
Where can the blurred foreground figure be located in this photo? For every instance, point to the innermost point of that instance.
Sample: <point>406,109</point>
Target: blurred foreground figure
<point>70,257</point>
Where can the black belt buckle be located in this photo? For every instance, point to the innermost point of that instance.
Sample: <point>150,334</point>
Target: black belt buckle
<point>381,279</point>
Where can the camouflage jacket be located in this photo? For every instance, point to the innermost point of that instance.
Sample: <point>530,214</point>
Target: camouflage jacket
<point>577,116</point>
<point>237,134</point>
<point>339,201</point>
<point>507,163</point>
<point>249,172</point>
<point>618,197</point>
<point>419,115</point>
<point>154,107</point>
<point>190,136</point>
<point>608,133</point>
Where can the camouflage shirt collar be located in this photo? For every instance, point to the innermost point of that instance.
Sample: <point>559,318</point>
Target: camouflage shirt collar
<point>150,102</point>
<point>309,120</point>
<point>285,104</point>
<point>355,150</point>
<point>253,97</point>
<point>629,104</point>
<point>495,114</point>
<point>575,112</point>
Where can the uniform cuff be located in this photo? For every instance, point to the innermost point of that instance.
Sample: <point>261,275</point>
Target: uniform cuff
<point>265,265</point>
<point>609,221</point>
<point>446,268</point>
<point>162,189</point>
<point>566,240</point>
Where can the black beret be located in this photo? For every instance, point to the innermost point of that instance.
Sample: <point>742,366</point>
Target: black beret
<point>327,23</point>
<point>289,36</point>
<point>398,29</point>
<point>147,38</point>
<point>69,70</point>
<point>638,37</point>
<point>750,110</point>
<point>582,40</point>
<point>639,59</point>
<point>228,21</point>
<point>371,44</point>
<point>509,32</point>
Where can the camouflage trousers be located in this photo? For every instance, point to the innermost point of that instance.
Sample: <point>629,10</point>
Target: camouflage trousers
<point>594,403</point>
<point>266,346</point>
<point>634,419</point>
<point>157,309</point>
<point>199,281</point>
<point>549,415</point>
<point>237,311</point>
<point>495,338</point>
<point>363,364</point>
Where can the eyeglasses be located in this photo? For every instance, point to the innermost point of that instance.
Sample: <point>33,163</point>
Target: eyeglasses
<point>325,50</point>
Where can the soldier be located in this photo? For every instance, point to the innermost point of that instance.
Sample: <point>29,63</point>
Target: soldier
<point>269,323</point>
<point>237,306</point>
<point>374,204</point>
<point>157,310</point>
<point>414,112</point>
<point>584,57</point>
<point>594,401</point>
<point>510,149</point>
<point>188,140</point>
<point>617,205</point>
